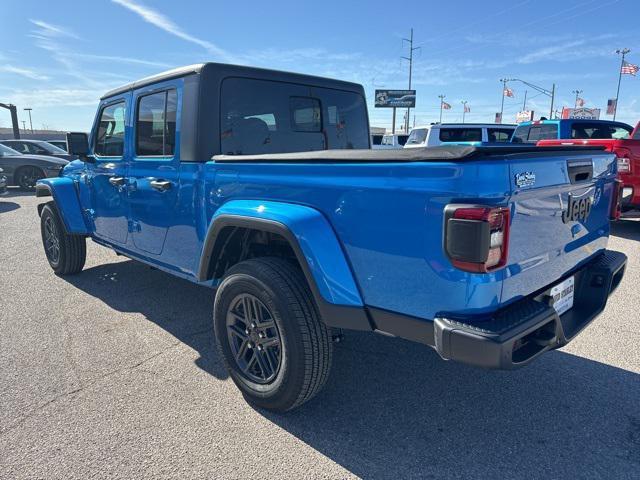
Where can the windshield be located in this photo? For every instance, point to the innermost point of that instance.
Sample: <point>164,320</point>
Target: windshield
<point>6,151</point>
<point>417,136</point>
<point>50,147</point>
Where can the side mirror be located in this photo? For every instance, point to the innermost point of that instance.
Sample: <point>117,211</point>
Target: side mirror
<point>78,143</point>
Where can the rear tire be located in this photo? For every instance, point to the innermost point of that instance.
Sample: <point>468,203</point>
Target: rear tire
<point>276,295</point>
<point>65,253</point>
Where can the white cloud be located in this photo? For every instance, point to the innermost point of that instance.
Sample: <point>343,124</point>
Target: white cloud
<point>25,72</point>
<point>55,97</point>
<point>50,30</point>
<point>159,20</point>
<point>134,61</point>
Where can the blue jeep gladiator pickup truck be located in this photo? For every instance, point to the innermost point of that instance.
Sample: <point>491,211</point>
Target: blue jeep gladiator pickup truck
<point>262,184</point>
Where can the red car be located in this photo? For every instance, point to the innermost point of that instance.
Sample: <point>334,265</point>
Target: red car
<point>628,152</point>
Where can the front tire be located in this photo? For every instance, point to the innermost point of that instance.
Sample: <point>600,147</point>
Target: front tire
<point>65,253</point>
<point>269,333</point>
<point>26,177</point>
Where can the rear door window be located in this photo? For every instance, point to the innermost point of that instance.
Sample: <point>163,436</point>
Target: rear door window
<point>499,134</point>
<point>402,139</point>
<point>586,130</point>
<point>260,116</point>
<point>109,140</point>
<point>460,134</point>
<point>156,124</point>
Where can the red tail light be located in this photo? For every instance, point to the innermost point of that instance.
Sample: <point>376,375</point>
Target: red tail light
<point>616,200</point>
<point>477,237</point>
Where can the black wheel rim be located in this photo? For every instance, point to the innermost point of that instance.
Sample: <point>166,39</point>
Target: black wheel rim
<point>28,177</point>
<point>254,338</point>
<point>51,240</point>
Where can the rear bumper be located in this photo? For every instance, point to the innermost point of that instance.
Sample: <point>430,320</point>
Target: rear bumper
<point>523,331</point>
<point>519,333</point>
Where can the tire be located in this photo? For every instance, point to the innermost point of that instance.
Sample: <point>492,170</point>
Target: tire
<point>65,253</point>
<point>300,365</point>
<point>26,177</point>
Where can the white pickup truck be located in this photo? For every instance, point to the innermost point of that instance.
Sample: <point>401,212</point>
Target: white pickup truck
<point>439,133</point>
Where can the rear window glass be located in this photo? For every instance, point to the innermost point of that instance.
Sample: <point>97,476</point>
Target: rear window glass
<point>156,124</point>
<point>261,116</point>
<point>585,130</point>
<point>499,134</point>
<point>460,134</point>
<point>402,139</point>
<point>543,132</point>
<point>417,136</point>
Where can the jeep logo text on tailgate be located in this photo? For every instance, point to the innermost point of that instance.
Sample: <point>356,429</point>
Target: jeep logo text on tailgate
<point>577,209</point>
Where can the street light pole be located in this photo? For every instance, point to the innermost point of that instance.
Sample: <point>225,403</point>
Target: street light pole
<point>553,97</point>
<point>441,97</point>
<point>623,52</point>
<point>464,109</point>
<point>504,88</point>
<point>30,122</point>
<point>577,92</point>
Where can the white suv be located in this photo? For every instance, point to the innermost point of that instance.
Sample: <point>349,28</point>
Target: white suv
<point>439,133</point>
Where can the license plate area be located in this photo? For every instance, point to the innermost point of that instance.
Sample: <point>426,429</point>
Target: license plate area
<point>561,295</point>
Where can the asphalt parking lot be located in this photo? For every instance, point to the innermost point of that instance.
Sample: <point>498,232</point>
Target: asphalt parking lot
<point>112,374</point>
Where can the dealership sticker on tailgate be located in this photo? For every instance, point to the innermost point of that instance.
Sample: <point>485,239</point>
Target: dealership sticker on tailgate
<point>562,295</point>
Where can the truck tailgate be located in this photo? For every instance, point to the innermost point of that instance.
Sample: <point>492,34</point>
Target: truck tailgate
<point>560,217</point>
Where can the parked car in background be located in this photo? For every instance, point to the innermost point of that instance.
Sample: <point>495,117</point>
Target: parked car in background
<point>627,152</point>
<point>25,170</point>
<point>492,256</point>
<point>61,144</point>
<point>533,132</point>
<point>37,147</point>
<point>392,141</point>
<point>439,133</point>
<point>3,182</point>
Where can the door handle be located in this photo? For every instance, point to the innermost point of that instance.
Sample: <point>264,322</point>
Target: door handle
<point>160,185</point>
<point>117,181</point>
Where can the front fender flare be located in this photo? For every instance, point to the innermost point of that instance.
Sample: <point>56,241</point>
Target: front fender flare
<point>316,247</point>
<point>64,193</point>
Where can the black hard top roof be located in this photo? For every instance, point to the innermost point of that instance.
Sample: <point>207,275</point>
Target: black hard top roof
<point>230,70</point>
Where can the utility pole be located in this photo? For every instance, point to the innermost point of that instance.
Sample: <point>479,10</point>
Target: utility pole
<point>410,59</point>
<point>524,104</point>
<point>14,118</point>
<point>30,122</point>
<point>24,125</point>
<point>464,108</point>
<point>623,52</point>
<point>577,92</point>
<point>553,97</point>
<point>441,97</point>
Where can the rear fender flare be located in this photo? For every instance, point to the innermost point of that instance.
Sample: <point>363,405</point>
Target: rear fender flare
<point>315,245</point>
<point>65,194</point>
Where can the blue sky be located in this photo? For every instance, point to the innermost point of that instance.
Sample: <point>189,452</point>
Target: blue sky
<point>59,57</point>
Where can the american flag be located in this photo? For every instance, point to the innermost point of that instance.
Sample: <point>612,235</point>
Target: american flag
<point>508,92</point>
<point>580,102</point>
<point>467,108</point>
<point>445,105</point>
<point>611,106</point>
<point>629,69</point>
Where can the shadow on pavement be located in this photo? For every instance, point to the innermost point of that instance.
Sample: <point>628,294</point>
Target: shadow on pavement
<point>180,307</point>
<point>394,409</point>
<point>7,206</point>
<point>629,229</point>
